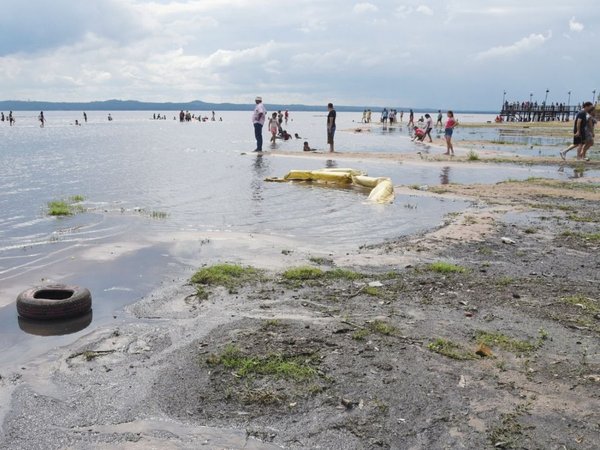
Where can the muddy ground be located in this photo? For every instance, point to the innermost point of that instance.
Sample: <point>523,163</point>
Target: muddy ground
<point>483,334</point>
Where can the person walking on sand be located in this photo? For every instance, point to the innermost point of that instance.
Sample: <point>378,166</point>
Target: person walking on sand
<point>428,126</point>
<point>589,133</point>
<point>579,127</point>
<point>450,125</point>
<point>331,126</point>
<point>439,119</point>
<point>41,119</point>
<point>258,120</point>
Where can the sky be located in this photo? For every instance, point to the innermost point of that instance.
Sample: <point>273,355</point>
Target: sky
<point>458,54</point>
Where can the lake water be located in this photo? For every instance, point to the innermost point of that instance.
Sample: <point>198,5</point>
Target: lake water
<point>134,169</point>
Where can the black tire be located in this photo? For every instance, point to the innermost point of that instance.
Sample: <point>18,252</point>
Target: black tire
<point>57,327</point>
<point>54,302</point>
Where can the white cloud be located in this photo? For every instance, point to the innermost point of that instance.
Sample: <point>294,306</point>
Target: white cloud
<point>575,26</point>
<point>362,8</point>
<point>425,10</point>
<point>524,45</point>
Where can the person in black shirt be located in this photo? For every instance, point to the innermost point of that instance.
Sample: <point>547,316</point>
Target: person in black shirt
<point>578,131</point>
<point>330,126</point>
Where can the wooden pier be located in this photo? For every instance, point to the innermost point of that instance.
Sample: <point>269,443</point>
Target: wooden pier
<point>532,112</point>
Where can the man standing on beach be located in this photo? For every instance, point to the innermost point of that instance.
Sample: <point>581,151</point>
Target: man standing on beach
<point>330,126</point>
<point>579,127</point>
<point>258,119</point>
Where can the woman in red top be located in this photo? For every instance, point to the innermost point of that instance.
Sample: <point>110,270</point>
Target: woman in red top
<point>450,124</point>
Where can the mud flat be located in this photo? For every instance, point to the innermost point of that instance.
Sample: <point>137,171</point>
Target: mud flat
<point>480,334</point>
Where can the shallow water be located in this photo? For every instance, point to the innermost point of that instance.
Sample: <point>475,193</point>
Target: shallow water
<point>196,174</point>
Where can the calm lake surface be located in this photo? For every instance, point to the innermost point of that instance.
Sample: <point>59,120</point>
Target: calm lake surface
<point>134,169</point>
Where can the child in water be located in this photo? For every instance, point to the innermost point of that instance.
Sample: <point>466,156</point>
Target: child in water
<point>273,127</point>
<point>307,148</point>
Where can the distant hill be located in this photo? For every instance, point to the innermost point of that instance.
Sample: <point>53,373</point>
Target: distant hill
<point>196,105</point>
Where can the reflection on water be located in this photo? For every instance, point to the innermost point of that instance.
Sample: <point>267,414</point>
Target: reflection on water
<point>331,164</point>
<point>57,327</point>
<point>445,175</point>
<point>260,171</point>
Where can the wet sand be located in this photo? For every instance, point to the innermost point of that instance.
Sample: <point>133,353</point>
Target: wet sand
<point>381,354</point>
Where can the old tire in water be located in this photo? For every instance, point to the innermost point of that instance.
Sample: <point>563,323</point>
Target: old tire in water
<point>56,327</point>
<point>57,301</point>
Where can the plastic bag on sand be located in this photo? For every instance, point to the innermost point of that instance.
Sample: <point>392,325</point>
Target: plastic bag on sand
<point>383,192</point>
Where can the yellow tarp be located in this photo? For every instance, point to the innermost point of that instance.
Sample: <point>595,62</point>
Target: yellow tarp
<point>383,189</point>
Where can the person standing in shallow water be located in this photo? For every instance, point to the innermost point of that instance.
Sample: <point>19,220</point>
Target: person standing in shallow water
<point>450,125</point>
<point>258,120</point>
<point>331,126</point>
<point>41,119</point>
<point>84,117</point>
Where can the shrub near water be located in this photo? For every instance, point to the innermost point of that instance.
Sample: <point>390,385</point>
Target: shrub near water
<point>444,267</point>
<point>304,273</point>
<point>66,207</point>
<point>228,275</point>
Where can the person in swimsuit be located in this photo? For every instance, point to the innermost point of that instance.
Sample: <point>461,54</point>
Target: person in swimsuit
<point>273,127</point>
<point>449,130</point>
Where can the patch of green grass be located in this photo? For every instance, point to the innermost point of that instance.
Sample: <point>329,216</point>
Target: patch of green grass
<point>505,281</point>
<point>76,198</point>
<point>445,267</point>
<point>343,274</point>
<point>228,275</point>
<point>201,292</point>
<point>275,365</point>
<point>450,350</point>
<point>66,207</point>
<point>582,301</point>
<point>372,291</point>
<point>472,156</point>
<point>303,273</point>
<point>577,218</point>
<point>499,340</point>
<point>590,237</point>
<point>381,327</point>
<point>59,208</point>
<point>361,335</point>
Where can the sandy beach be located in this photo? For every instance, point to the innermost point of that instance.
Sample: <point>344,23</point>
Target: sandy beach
<point>479,333</point>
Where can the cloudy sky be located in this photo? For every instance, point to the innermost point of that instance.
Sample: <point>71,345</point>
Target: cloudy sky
<point>457,54</point>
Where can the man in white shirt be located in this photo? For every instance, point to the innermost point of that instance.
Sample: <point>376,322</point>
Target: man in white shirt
<point>258,119</point>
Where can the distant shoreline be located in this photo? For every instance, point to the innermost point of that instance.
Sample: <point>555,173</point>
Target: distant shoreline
<point>196,105</point>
